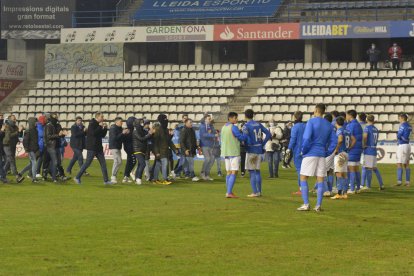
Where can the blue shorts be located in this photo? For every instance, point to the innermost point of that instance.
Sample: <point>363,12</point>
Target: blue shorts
<point>354,157</point>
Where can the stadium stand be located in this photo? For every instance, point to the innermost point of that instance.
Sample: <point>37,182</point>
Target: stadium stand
<point>298,86</point>
<point>149,90</point>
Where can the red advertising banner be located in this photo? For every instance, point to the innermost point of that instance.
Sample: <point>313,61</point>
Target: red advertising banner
<point>8,86</point>
<point>240,32</point>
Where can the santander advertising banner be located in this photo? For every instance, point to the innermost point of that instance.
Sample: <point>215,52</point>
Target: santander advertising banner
<point>240,32</point>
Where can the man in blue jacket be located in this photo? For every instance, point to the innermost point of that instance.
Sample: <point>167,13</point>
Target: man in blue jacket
<point>295,143</point>
<point>207,138</point>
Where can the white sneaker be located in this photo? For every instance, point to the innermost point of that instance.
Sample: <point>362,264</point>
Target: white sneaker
<point>38,176</point>
<point>138,181</point>
<point>208,178</point>
<point>126,179</point>
<point>349,192</point>
<point>317,208</point>
<point>195,179</point>
<point>327,193</point>
<point>365,188</point>
<point>113,180</point>
<point>304,207</point>
<point>132,175</point>
<point>172,174</point>
<point>334,190</point>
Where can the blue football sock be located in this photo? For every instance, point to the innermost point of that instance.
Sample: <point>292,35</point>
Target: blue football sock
<point>363,176</point>
<point>319,193</point>
<point>298,179</point>
<point>227,181</point>
<point>232,180</point>
<point>253,180</point>
<point>407,175</point>
<point>379,178</point>
<point>258,181</point>
<point>330,182</point>
<point>305,191</point>
<point>369,178</point>
<point>399,174</point>
<point>325,185</point>
<point>358,179</point>
<point>339,181</point>
<point>352,177</point>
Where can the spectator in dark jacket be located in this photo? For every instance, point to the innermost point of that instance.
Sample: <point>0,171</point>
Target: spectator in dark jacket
<point>51,137</point>
<point>140,138</point>
<point>2,154</point>
<point>77,143</point>
<point>162,144</point>
<point>116,136</point>
<point>188,144</point>
<point>97,130</point>
<point>285,143</point>
<point>60,149</point>
<point>11,138</point>
<point>131,161</point>
<point>31,146</point>
<point>373,57</point>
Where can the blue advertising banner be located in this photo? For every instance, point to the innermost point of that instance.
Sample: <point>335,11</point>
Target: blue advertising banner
<point>336,30</point>
<point>174,9</point>
<point>402,28</point>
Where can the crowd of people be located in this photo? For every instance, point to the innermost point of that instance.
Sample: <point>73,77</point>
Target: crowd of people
<point>394,55</point>
<point>329,146</point>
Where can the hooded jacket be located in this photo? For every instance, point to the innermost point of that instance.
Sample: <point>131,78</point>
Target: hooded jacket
<point>78,137</point>
<point>140,138</point>
<point>188,141</point>
<point>51,136</point>
<point>115,137</point>
<point>11,135</point>
<point>162,142</point>
<point>31,137</point>
<point>94,136</point>
<point>128,147</point>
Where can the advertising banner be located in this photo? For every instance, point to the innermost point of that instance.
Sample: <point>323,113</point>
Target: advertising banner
<point>138,34</point>
<point>12,74</point>
<point>332,30</point>
<point>402,28</point>
<point>167,9</point>
<point>40,19</point>
<point>240,32</point>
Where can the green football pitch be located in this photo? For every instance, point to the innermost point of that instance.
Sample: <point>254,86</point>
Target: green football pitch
<point>191,229</point>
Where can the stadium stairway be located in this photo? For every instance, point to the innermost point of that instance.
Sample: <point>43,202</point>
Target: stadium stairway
<point>15,97</point>
<point>241,100</point>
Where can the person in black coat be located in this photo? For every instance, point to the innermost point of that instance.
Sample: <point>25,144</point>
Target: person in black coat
<point>140,138</point>
<point>373,57</point>
<point>97,130</point>
<point>188,145</point>
<point>2,154</point>
<point>31,146</point>
<point>131,161</point>
<point>77,143</point>
<point>51,139</point>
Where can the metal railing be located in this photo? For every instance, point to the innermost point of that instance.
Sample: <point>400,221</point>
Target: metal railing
<point>291,13</point>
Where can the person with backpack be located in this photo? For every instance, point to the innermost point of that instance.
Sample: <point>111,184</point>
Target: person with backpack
<point>31,146</point>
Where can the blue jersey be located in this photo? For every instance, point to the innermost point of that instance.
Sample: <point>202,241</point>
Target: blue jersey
<point>346,139</point>
<point>316,138</point>
<point>372,140</point>
<point>333,142</point>
<point>334,122</point>
<point>255,142</point>
<point>296,137</point>
<point>403,134</point>
<point>355,130</point>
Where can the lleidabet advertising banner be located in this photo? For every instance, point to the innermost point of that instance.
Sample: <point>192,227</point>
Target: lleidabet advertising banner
<point>138,34</point>
<point>332,30</point>
<point>12,74</point>
<point>35,19</point>
<point>175,9</point>
<point>239,32</point>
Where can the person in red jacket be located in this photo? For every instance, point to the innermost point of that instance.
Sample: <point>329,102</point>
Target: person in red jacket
<point>395,54</point>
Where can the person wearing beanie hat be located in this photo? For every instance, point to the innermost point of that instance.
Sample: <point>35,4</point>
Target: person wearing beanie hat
<point>127,142</point>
